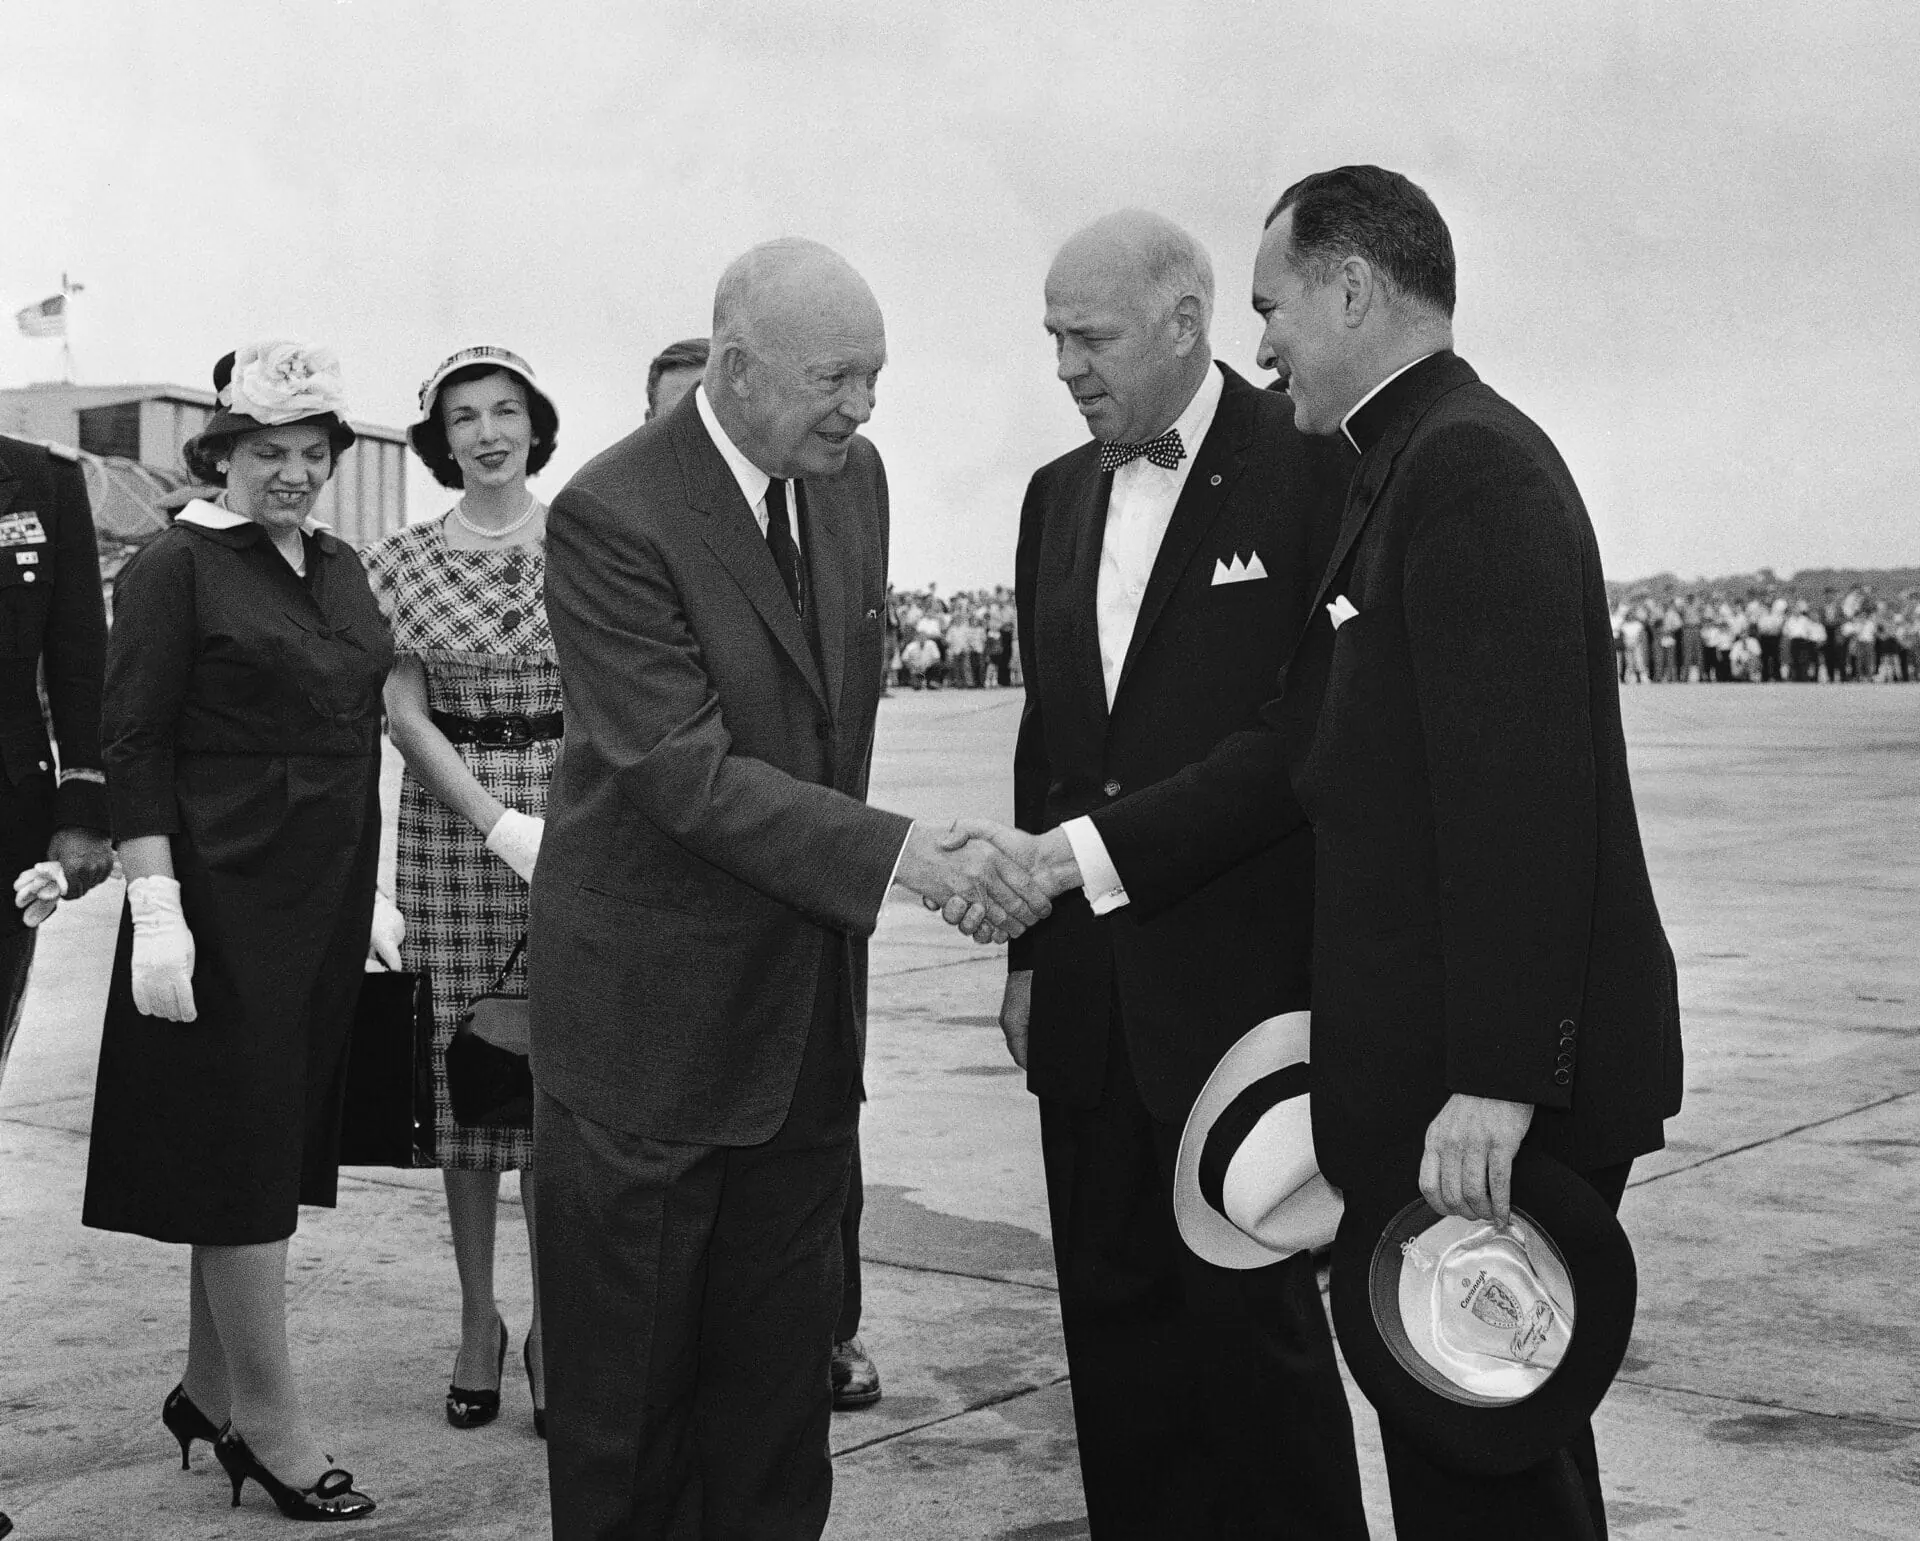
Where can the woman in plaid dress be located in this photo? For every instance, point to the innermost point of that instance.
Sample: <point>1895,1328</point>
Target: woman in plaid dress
<point>474,707</point>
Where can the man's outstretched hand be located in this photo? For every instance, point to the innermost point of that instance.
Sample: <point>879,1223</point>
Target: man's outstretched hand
<point>989,894</point>
<point>1047,859</point>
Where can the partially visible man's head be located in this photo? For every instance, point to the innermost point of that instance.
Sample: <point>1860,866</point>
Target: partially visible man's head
<point>1355,270</point>
<point>673,373</point>
<point>1129,301</point>
<point>798,346</point>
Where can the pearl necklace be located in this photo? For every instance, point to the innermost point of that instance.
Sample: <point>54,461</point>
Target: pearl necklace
<point>460,515</point>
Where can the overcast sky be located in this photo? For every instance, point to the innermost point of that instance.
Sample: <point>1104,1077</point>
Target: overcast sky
<point>1686,229</point>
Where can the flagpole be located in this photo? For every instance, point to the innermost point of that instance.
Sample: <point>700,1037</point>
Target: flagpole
<point>69,289</point>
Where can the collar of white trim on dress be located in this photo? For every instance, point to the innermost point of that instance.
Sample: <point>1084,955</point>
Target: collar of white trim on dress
<point>212,516</point>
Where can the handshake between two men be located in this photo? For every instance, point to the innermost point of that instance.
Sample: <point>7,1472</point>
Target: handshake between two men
<point>988,879</point>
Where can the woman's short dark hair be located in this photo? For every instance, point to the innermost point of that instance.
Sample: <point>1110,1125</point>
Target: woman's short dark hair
<point>204,453</point>
<point>429,439</point>
<point>1364,211</point>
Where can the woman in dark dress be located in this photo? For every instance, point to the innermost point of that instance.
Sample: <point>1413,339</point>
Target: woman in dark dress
<point>242,740</point>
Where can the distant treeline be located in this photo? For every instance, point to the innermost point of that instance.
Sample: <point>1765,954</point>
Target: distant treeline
<point>1810,583</point>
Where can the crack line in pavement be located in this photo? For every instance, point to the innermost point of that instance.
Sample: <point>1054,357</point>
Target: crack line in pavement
<point>959,1273</point>
<point>994,1401</point>
<point>28,1123</point>
<point>1879,1420</point>
<point>1785,1134</point>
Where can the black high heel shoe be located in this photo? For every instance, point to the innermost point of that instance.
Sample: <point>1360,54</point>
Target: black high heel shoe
<point>533,1391</point>
<point>331,1498</point>
<point>185,1422</point>
<point>475,1409</point>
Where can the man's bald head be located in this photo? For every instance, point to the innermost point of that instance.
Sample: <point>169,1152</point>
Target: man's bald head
<point>798,344</point>
<point>1129,301</point>
<point>1142,251</point>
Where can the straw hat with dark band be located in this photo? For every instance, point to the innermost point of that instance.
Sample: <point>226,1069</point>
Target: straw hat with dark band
<point>1246,1188</point>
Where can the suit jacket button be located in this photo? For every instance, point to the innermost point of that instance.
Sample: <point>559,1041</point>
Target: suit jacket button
<point>1112,789</point>
<point>1563,1076</point>
<point>1216,480</point>
<point>1566,1027</point>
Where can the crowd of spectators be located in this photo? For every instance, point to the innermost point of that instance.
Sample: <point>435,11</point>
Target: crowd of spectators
<point>966,640</point>
<point>1767,634</point>
<point>962,641</point>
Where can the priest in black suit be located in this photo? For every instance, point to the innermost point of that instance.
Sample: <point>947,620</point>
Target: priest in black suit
<point>1163,573</point>
<point>1489,965</point>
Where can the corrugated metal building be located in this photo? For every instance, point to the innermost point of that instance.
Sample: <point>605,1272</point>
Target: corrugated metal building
<point>365,500</point>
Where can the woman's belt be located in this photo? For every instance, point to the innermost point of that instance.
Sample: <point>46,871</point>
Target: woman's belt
<point>511,731</point>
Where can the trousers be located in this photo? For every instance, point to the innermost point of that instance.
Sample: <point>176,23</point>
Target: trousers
<point>1207,1401</point>
<point>690,1295</point>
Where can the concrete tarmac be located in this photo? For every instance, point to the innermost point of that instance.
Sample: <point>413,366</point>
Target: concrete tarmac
<point>1771,1387</point>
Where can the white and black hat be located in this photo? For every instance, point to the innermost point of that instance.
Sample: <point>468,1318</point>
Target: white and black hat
<point>1247,1190</point>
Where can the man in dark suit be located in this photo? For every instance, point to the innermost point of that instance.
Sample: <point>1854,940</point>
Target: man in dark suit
<point>1489,965</point>
<point>52,625</point>
<point>1163,574</point>
<point>708,878</point>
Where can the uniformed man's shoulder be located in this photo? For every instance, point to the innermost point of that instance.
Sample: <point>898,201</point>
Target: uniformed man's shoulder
<point>25,457</point>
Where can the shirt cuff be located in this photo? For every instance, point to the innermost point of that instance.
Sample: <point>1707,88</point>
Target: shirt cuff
<point>1098,876</point>
<point>899,856</point>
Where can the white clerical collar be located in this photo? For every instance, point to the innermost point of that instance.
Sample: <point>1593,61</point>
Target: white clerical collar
<point>753,481</point>
<point>212,516</point>
<point>1375,392</point>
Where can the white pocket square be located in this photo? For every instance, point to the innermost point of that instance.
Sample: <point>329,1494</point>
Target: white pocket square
<point>1238,571</point>
<point>1341,611</point>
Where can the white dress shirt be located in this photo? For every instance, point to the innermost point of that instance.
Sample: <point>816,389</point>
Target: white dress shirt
<point>753,487</point>
<point>753,481</point>
<point>1139,509</point>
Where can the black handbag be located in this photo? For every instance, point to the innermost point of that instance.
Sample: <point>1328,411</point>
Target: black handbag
<point>489,1081</point>
<point>387,1119</point>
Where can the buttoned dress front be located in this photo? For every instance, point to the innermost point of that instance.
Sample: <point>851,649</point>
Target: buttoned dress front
<point>242,720</point>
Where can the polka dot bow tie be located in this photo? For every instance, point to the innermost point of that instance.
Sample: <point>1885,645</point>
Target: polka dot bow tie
<point>1166,452</point>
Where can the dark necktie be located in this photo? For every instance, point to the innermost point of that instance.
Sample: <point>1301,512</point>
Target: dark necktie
<point>786,555</point>
<point>1166,452</point>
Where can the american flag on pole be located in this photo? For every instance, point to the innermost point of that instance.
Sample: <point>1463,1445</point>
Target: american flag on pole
<point>47,319</point>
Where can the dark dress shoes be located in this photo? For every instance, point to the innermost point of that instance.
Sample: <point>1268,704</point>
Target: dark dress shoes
<point>856,1378</point>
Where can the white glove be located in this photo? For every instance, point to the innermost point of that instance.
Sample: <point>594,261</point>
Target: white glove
<point>39,891</point>
<point>515,839</point>
<point>389,931</point>
<point>162,950</point>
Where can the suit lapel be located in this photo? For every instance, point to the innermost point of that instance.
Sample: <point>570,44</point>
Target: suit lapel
<point>9,488</point>
<point>1086,525</point>
<point>733,535</point>
<point>1215,470</point>
<point>1376,466</point>
<point>822,528</point>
